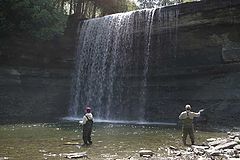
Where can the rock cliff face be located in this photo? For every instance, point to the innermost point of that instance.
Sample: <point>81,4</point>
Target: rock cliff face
<point>194,59</point>
<point>203,68</point>
<point>35,78</point>
<point>33,94</point>
<point>159,60</point>
<point>200,66</point>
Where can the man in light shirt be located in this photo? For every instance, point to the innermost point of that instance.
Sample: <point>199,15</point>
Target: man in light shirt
<point>87,123</point>
<point>187,121</point>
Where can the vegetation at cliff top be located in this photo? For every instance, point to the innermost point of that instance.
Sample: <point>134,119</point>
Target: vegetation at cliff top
<point>46,19</point>
<point>38,19</point>
<point>160,3</point>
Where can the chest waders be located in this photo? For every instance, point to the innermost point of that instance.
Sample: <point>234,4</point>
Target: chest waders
<point>87,131</point>
<point>187,129</point>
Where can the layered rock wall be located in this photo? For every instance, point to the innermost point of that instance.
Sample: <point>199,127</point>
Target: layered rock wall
<point>33,94</point>
<point>194,59</point>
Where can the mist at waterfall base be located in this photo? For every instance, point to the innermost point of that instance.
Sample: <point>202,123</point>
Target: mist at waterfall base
<point>114,60</point>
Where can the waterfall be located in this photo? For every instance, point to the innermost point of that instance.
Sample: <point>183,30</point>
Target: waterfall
<point>147,39</point>
<point>103,46</point>
<point>106,58</point>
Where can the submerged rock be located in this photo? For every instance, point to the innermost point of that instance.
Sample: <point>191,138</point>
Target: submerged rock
<point>41,151</point>
<point>72,143</point>
<point>75,155</point>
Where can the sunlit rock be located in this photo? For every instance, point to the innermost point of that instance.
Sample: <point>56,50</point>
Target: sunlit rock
<point>237,147</point>
<point>230,144</point>
<point>148,153</point>
<point>211,139</point>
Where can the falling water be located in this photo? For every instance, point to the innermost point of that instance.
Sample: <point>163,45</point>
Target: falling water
<point>102,47</point>
<point>104,59</point>
<point>147,39</point>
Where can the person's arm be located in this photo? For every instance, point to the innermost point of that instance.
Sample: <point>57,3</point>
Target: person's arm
<point>84,120</point>
<point>181,116</point>
<point>198,113</point>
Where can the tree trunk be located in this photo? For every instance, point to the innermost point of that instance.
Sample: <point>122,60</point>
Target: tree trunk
<point>62,5</point>
<point>94,9</point>
<point>79,8</point>
<point>85,9</point>
<point>71,7</point>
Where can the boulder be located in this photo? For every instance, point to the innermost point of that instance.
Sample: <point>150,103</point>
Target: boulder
<point>172,148</point>
<point>200,147</point>
<point>234,134</point>
<point>230,144</point>
<point>237,147</point>
<point>144,153</point>
<point>236,139</point>
<point>212,152</point>
<point>199,150</point>
<point>217,142</point>
<point>211,139</point>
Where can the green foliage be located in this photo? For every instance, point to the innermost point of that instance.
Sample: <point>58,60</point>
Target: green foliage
<point>40,19</point>
<point>115,6</point>
<point>46,19</point>
<point>147,3</point>
<point>131,6</point>
<point>159,3</point>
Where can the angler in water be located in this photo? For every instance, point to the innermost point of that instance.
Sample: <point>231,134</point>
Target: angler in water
<point>187,122</point>
<point>87,123</point>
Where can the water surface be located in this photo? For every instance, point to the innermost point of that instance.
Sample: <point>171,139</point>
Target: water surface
<point>110,141</point>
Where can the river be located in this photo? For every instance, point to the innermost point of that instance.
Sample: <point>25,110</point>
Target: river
<point>110,141</point>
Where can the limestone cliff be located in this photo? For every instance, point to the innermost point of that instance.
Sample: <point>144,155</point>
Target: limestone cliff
<point>194,59</point>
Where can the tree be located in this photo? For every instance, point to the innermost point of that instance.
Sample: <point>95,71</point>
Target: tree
<point>147,3</point>
<point>94,8</point>
<point>159,3</point>
<point>46,19</point>
<point>112,6</point>
<point>39,19</point>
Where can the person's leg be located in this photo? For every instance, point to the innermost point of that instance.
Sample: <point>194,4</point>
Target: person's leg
<point>184,135</point>
<point>89,136</point>
<point>191,134</point>
<point>85,135</point>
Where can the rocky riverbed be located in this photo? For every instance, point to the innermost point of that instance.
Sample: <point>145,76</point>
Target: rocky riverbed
<point>213,149</point>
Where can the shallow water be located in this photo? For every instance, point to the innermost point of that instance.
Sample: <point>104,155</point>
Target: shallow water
<point>110,141</point>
